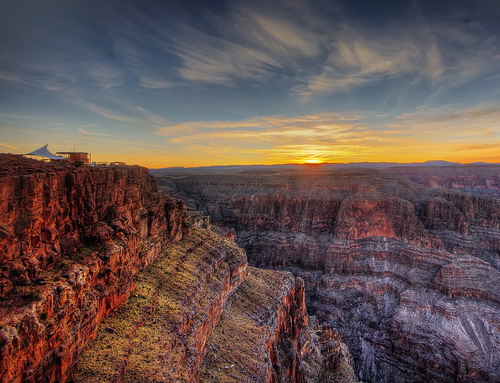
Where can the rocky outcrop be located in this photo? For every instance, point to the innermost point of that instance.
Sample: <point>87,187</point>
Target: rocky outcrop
<point>408,275</point>
<point>162,331</point>
<point>88,252</point>
<point>72,240</point>
<point>275,340</point>
<point>410,311</point>
<point>363,215</point>
<point>199,314</point>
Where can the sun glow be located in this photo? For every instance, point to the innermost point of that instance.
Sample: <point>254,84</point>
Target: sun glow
<point>318,156</point>
<point>312,161</point>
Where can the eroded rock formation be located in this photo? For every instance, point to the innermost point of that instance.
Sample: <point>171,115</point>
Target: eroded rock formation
<point>178,319</point>
<point>408,275</point>
<point>477,179</point>
<point>265,335</point>
<point>76,242</point>
<point>161,333</point>
<point>72,240</point>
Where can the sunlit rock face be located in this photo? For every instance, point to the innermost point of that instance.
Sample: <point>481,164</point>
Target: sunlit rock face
<point>72,240</point>
<point>409,275</point>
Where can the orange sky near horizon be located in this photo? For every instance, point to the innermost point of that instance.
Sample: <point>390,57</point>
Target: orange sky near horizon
<point>467,135</point>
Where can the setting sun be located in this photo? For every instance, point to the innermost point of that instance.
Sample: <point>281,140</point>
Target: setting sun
<point>312,161</point>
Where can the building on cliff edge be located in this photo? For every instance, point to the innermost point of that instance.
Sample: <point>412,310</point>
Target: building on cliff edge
<point>73,157</point>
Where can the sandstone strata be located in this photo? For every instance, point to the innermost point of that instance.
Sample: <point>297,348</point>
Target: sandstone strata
<point>476,179</point>
<point>408,275</point>
<point>74,245</point>
<point>72,238</point>
<point>177,326</point>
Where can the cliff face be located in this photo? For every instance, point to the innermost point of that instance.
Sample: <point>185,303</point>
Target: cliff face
<point>200,314</point>
<point>71,240</point>
<point>275,340</point>
<point>162,331</point>
<point>408,275</point>
<point>78,244</point>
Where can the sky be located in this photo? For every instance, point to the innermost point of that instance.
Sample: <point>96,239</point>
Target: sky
<point>193,83</point>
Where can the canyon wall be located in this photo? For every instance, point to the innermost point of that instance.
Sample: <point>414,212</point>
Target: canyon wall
<point>71,240</point>
<point>103,277</point>
<point>162,331</point>
<point>408,275</point>
<point>201,314</point>
<point>482,180</point>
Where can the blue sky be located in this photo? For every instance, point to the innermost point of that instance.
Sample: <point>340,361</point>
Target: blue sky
<point>172,83</point>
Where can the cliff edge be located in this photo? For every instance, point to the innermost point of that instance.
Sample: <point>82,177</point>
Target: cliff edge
<point>90,252</point>
<point>71,241</point>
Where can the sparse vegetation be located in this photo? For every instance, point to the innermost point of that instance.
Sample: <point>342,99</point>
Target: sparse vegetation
<point>343,374</point>
<point>244,319</point>
<point>160,325</point>
<point>83,252</point>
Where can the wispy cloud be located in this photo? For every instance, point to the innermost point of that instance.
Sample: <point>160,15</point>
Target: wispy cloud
<point>214,60</point>
<point>85,131</point>
<point>436,133</point>
<point>154,83</point>
<point>102,74</point>
<point>325,56</point>
<point>267,125</point>
<point>101,111</point>
<point>246,45</point>
<point>325,137</point>
<point>39,80</point>
<point>356,59</point>
<point>9,146</point>
<point>481,121</point>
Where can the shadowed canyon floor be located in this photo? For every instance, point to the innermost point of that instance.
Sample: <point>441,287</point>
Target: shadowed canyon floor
<point>408,274</point>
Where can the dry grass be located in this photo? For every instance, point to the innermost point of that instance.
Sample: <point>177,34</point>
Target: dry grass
<point>236,348</point>
<point>152,337</point>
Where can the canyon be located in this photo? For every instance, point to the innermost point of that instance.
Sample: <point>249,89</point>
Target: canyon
<point>475,179</point>
<point>104,277</point>
<point>400,262</point>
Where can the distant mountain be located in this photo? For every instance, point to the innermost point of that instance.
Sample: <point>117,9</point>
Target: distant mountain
<point>484,163</point>
<point>278,167</point>
<point>436,163</point>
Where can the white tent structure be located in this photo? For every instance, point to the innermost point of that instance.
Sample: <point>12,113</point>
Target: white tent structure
<point>44,152</point>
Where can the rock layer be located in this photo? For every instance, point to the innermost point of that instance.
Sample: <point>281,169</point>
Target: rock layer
<point>161,333</point>
<point>177,326</point>
<point>408,275</point>
<point>476,179</point>
<point>275,341</point>
<point>73,238</point>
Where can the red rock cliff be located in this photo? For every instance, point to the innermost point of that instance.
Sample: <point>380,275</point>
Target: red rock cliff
<point>71,240</point>
<point>200,314</point>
